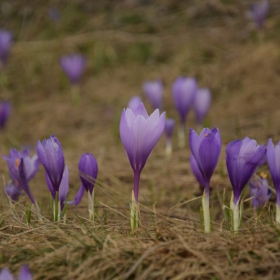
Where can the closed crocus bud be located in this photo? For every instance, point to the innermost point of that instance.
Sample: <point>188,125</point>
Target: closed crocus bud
<point>184,90</point>
<point>260,11</point>
<point>169,128</point>
<point>134,102</point>
<point>259,191</point>
<point>6,41</point>
<point>206,149</point>
<point>154,92</point>
<point>201,104</point>
<point>197,173</point>
<point>5,110</point>
<point>73,66</point>
<point>242,159</point>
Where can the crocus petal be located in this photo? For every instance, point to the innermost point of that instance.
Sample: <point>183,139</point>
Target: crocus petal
<point>141,111</point>
<point>25,273</point>
<point>169,127</point>
<point>49,185</point>
<point>64,187</point>
<point>78,196</point>
<point>134,102</point>
<point>31,166</point>
<point>201,104</point>
<point>195,141</point>
<point>154,92</point>
<point>13,191</point>
<point>6,275</point>
<point>196,171</point>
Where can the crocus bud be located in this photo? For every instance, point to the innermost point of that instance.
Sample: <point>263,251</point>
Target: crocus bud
<point>154,92</point>
<point>134,102</point>
<point>260,11</point>
<point>73,66</point>
<point>169,128</point>
<point>201,104</point>
<point>6,41</point>
<point>5,110</point>
<point>259,191</point>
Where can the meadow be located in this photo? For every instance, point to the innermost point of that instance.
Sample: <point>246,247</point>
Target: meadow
<point>127,43</point>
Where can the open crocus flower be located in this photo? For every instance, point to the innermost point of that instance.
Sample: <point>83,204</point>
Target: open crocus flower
<point>5,110</point>
<point>24,274</point>
<point>184,90</point>
<point>197,173</point>
<point>134,102</point>
<point>273,160</point>
<point>22,169</point>
<point>139,134</point>
<point>242,159</point>
<point>51,156</point>
<point>154,92</point>
<point>169,128</point>
<point>201,104</point>
<point>206,149</point>
<point>88,169</point>
<point>259,13</point>
<point>259,191</point>
<point>6,41</point>
<point>73,66</point>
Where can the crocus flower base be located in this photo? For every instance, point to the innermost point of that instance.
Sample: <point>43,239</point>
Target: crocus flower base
<point>134,213</point>
<point>91,205</point>
<point>277,214</point>
<point>206,212</point>
<point>236,210</point>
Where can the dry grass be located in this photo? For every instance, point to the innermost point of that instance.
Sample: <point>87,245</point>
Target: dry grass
<point>126,45</point>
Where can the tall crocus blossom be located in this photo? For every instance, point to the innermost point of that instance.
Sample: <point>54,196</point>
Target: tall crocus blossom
<point>259,12</point>
<point>169,128</point>
<point>184,91</point>
<point>6,41</point>
<point>259,191</point>
<point>88,170</point>
<point>201,104</point>
<point>273,160</point>
<point>197,173</point>
<point>206,149</point>
<point>24,274</point>
<point>134,102</point>
<point>5,110</point>
<point>22,169</point>
<point>154,92</point>
<point>139,134</point>
<point>242,159</point>
<point>52,158</point>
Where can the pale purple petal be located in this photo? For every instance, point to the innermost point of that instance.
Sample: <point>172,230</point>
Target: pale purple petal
<point>141,111</point>
<point>154,92</point>
<point>202,103</point>
<point>50,186</point>
<point>134,102</point>
<point>25,273</point>
<point>78,196</point>
<point>63,188</point>
<point>13,191</point>
<point>6,275</point>
<point>196,171</point>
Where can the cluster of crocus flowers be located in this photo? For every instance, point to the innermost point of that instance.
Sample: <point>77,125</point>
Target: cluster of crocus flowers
<point>139,134</point>
<point>259,13</point>
<point>169,128</point>
<point>260,191</point>
<point>73,66</point>
<point>5,110</point>
<point>51,156</point>
<point>206,149</point>
<point>24,274</point>
<point>154,92</point>
<point>22,169</point>
<point>88,170</point>
<point>242,159</point>
<point>6,41</point>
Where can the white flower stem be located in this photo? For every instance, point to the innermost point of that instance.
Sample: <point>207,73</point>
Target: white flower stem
<point>56,208</point>
<point>91,205</point>
<point>181,136</point>
<point>206,212</point>
<point>236,214</point>
<point>134,213</point>
<point>168,148</point>
<point>277,214</point>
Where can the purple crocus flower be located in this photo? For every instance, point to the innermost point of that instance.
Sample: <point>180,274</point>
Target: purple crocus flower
<point>22,169</point>
<point>51,156</point>
<point>88,169</point>
<point>242,159</point>
<point>134,102</point>
<point>139,134</point>
<point>259,12</point>
<point>24,274</point>
<point>169,128</point>
<point>6,40</point>
<point>154,92</point>
<point>201,104</point>
<point>197,173</point>
<point>5,110</point>
<point>259,191</point>
<point>73,66</point>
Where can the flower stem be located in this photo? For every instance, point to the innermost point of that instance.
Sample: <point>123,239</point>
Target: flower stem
<point>134,213</point>
<point>168,148</point>
<point>206,210</point>
<point>136,185</point>
<point>91,205</point>
<point>56,208</point>
<point>236,217</point>
<point>182,136</point>
<point>75,94</point>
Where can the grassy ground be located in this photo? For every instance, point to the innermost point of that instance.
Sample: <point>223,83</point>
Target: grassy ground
<point>127,43</point>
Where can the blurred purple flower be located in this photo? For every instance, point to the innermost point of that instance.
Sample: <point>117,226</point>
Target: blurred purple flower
<point>169,128</point>
<point>134,102</point>
<point>259,191</point>
<point>22,169</point>
<point>259,12</point>
<point>73,66</point>
<point>24,274</point>
<point>5,110</point>
<point>201,104</point>
<point>154,92</point>
<point>184,90</point>
<point>197,172</point>
<point>242,159</point>
<point>88,170</point>
<point>206,149</point>
<point>139,134</point>
<point>6,40</point>
<point>54,14</point>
